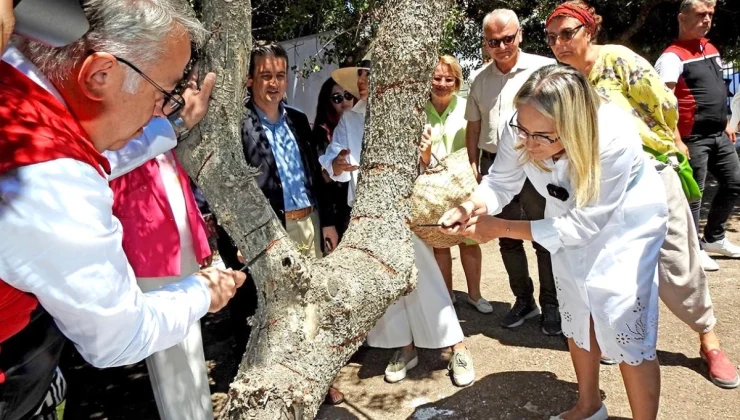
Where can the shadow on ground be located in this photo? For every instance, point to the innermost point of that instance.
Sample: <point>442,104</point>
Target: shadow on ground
<point>505,396</point>
<point>528,335</point>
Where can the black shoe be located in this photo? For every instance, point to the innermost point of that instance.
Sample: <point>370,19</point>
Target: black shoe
<point>522,310</point>
<point>551,320</point>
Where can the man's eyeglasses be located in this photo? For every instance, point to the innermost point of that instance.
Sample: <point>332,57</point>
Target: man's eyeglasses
<point>173,102</point>
<point>522,134</point>
<point>338,98</point>
<point>507,40</point>
<point>565,35</point>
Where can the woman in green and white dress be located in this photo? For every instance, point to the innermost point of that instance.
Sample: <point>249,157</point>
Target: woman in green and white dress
<point>445,134</point>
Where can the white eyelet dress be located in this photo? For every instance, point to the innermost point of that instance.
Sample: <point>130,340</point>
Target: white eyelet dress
<point>605,254</point>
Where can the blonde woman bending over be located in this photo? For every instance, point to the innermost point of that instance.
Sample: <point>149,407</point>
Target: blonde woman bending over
<point>605,221</point>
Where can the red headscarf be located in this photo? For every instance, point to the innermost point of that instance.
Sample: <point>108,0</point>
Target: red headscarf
<point>574,11</point>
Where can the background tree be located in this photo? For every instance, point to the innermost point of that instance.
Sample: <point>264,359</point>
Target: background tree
<point>646,26</point>
<point>313,315</point>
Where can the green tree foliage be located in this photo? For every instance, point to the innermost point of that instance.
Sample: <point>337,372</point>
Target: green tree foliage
<point>646,26</point>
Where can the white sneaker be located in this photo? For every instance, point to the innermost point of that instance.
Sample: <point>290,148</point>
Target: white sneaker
<point>707,263</point>
<point>722,247</point>
<point>483,306</point>
<point>602,414</point>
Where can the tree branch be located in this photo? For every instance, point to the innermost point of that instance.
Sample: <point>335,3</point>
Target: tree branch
<point>313,315</point>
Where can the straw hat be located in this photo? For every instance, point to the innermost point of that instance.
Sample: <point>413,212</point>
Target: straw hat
<point>346,77</point>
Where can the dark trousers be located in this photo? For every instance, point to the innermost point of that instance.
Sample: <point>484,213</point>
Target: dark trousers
<point>527,205</point>
<point>715,154</point>
<point>28,361</point>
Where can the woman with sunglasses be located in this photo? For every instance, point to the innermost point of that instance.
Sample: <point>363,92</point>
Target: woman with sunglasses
<point>605,220</point>
<point>333,101</point>
<point>629,81</point>
<point>445,134</point>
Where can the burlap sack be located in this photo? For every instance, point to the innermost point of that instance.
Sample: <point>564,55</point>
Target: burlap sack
<point>437,190</point>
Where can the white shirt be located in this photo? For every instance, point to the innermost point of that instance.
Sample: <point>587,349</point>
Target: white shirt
<point>347,135</point>
<point>735,109</point>
<point>564,224</point>
<point>670,66</point>
<point>62,243</point>
<point>491,96</point>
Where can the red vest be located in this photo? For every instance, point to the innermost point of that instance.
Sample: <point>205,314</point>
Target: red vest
<point>151,239</point>
<point>34,128</point>
<point>700,89</point>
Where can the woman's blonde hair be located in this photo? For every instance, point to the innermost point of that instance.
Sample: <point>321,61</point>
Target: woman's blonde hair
<point>455,68</point>
<point>564,95</point>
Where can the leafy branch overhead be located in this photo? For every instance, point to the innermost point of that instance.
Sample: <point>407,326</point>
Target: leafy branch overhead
<point>646,26</point>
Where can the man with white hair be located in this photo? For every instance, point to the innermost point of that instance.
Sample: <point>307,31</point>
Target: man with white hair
<point>692,67</point>
<point>490,105</point>
<point>62,267</point>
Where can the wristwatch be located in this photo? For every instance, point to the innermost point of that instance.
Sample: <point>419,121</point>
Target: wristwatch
<point>178,124</point>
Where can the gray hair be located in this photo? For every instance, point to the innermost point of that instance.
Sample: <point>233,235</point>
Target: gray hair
<point>685,4</point>
<point>501,15</point>
<point>132,29</point>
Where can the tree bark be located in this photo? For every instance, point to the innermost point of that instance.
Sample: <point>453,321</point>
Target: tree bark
<point>314,314</point>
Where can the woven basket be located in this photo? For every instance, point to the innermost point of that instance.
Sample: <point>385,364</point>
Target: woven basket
<point>440,188</point>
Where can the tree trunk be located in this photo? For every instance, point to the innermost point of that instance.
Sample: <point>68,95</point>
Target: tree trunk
<point>314,314</point>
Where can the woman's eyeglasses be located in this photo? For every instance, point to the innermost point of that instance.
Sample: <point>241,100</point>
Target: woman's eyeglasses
<point>522,134</point>
<point>338,98</point>
<point>507,40</point>
<point>565,35</point>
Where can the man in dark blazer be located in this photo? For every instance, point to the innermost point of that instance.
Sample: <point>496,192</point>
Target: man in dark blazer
<point>277,141</point>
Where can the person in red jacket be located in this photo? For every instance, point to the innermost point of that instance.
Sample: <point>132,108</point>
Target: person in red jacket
<point>692,67</point>
<point>64,272</point>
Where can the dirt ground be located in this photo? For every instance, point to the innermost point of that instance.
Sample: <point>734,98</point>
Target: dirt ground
<point>520,374</point>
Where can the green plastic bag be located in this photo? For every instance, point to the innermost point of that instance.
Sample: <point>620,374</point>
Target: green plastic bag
<point>690,187</point>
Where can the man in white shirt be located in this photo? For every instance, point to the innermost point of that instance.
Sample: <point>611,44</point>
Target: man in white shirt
<point>490,102</point>
<point>63,270</point>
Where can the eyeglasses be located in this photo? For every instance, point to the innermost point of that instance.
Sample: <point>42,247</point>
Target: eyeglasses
<point>565,35</point>
<point>507,40</point>
<point>173,102</point>
<point>338,98</point>
<point>522,134</point>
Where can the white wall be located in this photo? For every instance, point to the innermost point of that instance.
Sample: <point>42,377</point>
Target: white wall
<point>304,93</point>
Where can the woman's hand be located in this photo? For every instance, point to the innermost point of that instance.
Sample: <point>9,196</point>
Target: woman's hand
<point>483,229</point>
<point>455,221</point>
<point>341,164</point>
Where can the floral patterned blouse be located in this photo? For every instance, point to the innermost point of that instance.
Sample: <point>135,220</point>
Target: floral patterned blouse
<point>628,80</point>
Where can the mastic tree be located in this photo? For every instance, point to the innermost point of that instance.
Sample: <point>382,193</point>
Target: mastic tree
<point>314,314</point>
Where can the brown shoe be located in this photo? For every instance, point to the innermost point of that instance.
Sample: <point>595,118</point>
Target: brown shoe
<point>333,397</point>
<point>721,370</point>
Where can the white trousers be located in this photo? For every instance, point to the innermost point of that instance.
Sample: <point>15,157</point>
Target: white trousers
<point>426,316</point>
<point>178,374</point>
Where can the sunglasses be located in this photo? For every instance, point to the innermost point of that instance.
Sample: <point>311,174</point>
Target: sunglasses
<point>565,35</point>
<point>338,98</point>
<point>522,134</point>
<point>507,40</point>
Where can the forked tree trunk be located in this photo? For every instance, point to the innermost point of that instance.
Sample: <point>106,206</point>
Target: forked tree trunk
<point>313,315</point>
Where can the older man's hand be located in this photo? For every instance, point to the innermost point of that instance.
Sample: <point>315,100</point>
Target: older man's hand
<point>7,23</point>
<point>223,285</point>
<point>196,99</point>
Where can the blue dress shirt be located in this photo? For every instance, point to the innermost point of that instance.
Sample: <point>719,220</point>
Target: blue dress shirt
<point>288,159</point>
